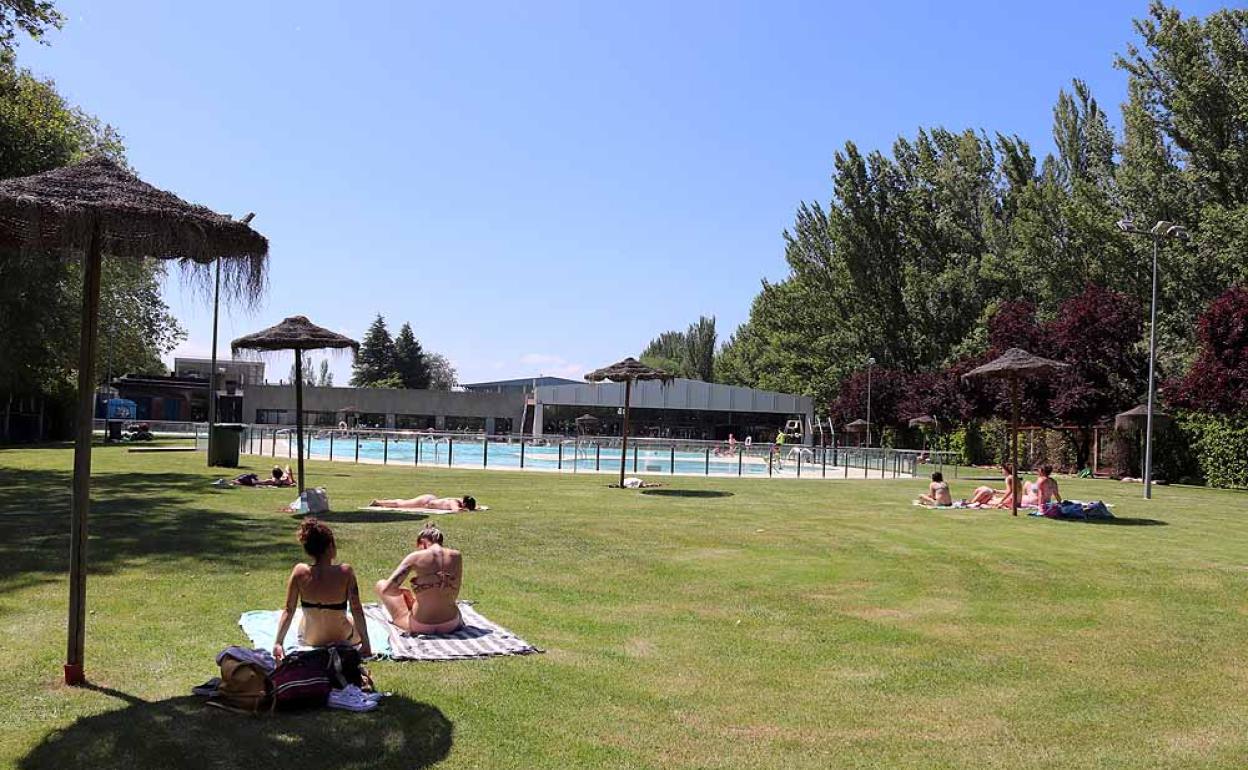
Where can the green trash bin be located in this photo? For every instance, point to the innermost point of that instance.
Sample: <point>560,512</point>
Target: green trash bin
<point>223,449</point>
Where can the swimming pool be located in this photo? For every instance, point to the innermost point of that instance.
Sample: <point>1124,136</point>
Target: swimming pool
<point>556,454</point>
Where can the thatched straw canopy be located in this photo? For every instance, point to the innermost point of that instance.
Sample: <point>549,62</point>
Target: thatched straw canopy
<point>629,369</point>
<point>857,426</point>
<point>1014,362</point>
<point>1135,418</point>
<point>926,419</point>
<point>587,419</point>
<point>60,210</point>
<point>295,333</point>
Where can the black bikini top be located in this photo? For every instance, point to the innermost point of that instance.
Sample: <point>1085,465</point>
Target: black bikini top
<point>307,605</point>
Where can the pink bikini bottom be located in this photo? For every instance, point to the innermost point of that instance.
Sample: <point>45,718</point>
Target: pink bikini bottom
<point>447,627</point>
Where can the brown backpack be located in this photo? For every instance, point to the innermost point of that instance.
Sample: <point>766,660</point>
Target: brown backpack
<point>244,687</point>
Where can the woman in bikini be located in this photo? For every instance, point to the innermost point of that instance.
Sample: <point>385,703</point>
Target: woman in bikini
<point>428,607</point>
<point>323,590</point>
<point>937,492</point>
<point>429,502</point>
<point>987,497</point>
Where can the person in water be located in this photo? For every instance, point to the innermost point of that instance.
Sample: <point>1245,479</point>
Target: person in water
<point>1044,489</point>
<point>429,606</point>
<point>324,591</point>
<point>281,477</point>
<point>429,502</point>
<point>937,492</point>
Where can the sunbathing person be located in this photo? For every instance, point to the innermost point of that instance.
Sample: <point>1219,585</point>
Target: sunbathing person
<point>937,492</point>
<point>1007,500</point>
<point>323,590</point>
<point>1044,489</point>
<point>282,477</point>
<point>429,502</point>
<point>428,607</point>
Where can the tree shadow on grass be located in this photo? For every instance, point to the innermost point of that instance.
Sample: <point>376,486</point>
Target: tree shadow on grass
<point>362,517</point>
<point>133,516</point>
<point>186,733</point>
<point>1127,521</point>
<point>703,493</point>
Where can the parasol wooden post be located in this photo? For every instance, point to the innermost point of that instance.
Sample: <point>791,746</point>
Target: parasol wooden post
<point>628,393</point>
<point>88,338</point>
<point>1014,444</point>
<point>212,372</point>
<point>299,411</point>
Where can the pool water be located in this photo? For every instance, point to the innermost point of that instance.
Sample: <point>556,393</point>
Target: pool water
<point>569,457</point>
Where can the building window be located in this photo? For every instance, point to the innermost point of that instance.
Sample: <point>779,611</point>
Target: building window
<point>465,424</point>
<point>414,421</point>
<point>502,426</point>
<point>271,417</point>
<point>320,419</point>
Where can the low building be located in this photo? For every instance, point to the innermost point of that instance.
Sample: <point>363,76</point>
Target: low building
<point>682,409</point>
<point>489,412</point>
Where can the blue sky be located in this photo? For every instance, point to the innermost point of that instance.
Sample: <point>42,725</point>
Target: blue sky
<point>543,187</point>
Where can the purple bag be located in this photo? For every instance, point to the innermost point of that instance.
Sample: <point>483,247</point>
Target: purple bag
<point>301,681</point>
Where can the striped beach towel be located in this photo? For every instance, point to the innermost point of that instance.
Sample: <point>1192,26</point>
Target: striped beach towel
<point>478,637</point>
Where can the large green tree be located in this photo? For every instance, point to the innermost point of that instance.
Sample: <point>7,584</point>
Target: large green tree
<point>375,361</point>
<point>40,294</point>
<point>409,359</point>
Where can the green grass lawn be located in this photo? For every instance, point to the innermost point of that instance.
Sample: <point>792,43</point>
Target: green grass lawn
<point>722,623</point>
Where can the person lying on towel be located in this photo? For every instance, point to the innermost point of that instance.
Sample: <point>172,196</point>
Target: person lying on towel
<point>323,590</point>
<point>429,502</point>
<point>428,607</point>
<point>282,477</point>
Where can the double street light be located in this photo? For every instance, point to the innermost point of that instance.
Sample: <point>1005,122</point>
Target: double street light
<point>1162,229</point>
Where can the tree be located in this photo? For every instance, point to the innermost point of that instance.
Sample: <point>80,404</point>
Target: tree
<point>1217,381</point>
<point>375,360</point>
<point>34,17</point>
<point>689,354</point>
<point>309,369</point>
<point>699,352</point>
<point>1099,334</point>
<point>325,378</point>
<point>409,360</point>
<point>40,294</point>
<point>442,375</point>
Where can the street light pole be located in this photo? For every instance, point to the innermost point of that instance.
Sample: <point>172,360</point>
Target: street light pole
<point>870,363</point>
<point>1162,229</point>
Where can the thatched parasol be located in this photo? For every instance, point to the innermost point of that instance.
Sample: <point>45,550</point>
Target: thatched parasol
<point>96,208</point>
<point>587,423</point>
<point>857,426</point>
<point>299,334</point>
<point>1013,365</point>
<point>1137,417</point>
<point>628,371</point>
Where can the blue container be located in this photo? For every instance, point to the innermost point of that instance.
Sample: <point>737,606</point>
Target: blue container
<point>119,409</point>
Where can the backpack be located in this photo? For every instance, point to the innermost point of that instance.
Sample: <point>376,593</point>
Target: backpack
<point>301,680</point>
<point>311,501</point>
<point>244,686</point>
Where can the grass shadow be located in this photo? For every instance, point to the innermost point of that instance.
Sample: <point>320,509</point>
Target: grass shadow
<point>363,517</point>
<point>703,493</point>
<point>133,516</point>
<point>185,733</point>
<point>1126,521</point>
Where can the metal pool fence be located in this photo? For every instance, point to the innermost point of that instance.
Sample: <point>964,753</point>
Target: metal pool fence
<point>589,454</point>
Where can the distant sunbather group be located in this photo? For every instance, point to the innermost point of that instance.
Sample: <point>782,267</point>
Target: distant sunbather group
<point>1035,494</point>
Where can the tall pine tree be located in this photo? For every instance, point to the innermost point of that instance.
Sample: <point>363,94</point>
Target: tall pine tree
<point>376,360</point>
<point>409,359</point>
